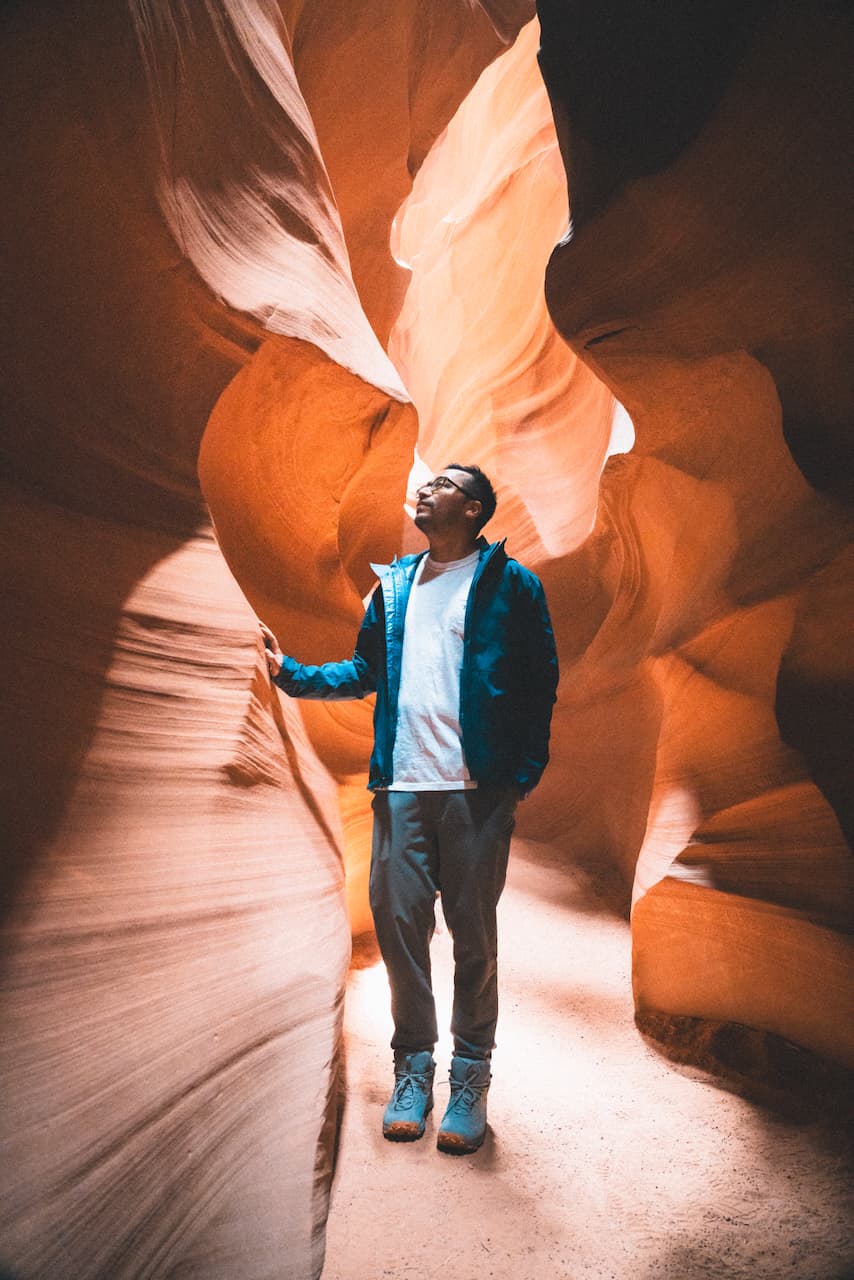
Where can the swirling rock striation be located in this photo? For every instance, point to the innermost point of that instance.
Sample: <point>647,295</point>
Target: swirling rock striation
<point>175,936</point>
<point>706,279</point>
<point>198,204</point>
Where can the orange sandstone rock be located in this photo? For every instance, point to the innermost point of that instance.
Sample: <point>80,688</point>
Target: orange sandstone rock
<point>197,208</point>
<point>175,940</point>
<point>707,281</point>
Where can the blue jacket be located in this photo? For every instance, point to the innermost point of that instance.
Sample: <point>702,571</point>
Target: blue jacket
<point>508,680</point>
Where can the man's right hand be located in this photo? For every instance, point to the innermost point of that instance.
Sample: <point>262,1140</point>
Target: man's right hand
<point>272,652</point>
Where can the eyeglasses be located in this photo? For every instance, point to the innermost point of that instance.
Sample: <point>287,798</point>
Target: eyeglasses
<point>443,482</point>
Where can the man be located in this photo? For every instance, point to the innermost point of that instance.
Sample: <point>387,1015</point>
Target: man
<point>458,646</point>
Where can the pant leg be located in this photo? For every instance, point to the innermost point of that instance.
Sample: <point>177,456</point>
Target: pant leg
<point>474,844</point>
<point>403,888</point>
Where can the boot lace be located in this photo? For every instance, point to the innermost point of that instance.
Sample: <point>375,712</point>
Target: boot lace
<point>405,1086</point>
<point>465,1094</point>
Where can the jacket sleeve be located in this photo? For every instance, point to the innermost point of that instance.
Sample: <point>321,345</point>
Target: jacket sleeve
<point>539,674</point>
<point>353,678</point>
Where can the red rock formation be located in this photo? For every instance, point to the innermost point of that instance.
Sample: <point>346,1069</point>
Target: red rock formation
<point>175,937</point>
<point>677,618</point>
<point>197,208</point>
<point>710,239</point>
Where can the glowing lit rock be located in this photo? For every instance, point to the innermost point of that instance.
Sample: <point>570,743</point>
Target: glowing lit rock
<point>486,370</point>
<point>680,134</point>
<point>676,618</point>
<point>199,282</point>
<point>176,939</point>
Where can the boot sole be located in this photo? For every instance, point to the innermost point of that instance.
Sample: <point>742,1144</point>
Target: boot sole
<point>402,1132</point>
<point>406,1130</point>
<point>453,1145</point>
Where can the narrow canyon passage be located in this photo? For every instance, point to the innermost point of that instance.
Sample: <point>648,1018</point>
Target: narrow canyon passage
<point>602,1160</point>
<point>270,265</point>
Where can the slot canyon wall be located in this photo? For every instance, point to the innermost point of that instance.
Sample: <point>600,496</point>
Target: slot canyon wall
<point>219,305</point>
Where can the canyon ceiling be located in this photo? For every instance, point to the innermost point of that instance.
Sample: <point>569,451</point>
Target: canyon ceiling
<point>264,262</point>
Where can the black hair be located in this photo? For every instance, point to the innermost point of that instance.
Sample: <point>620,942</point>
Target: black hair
<point>480,488</point>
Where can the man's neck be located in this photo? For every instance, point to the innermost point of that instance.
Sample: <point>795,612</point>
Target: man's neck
<point>445,550</point>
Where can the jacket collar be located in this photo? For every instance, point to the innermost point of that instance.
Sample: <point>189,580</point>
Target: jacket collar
<point>486,551</point>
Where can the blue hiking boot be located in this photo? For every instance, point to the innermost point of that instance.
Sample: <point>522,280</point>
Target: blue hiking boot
<point>463,1125</point>
<point>412,1099</point>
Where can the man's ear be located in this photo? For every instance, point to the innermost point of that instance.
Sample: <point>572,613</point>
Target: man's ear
<point>474,509</point>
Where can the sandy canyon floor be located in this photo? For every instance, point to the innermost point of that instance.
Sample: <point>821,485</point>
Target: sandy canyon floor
<point>603,1161</point>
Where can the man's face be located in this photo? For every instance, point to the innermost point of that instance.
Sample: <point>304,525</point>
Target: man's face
<point>444,505</point>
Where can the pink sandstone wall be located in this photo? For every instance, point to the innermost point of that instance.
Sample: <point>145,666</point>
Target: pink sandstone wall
<point>707,280</point>
<point>175,929</point>
<point>209,274</point>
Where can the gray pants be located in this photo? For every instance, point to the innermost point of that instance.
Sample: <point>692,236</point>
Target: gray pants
<point>455,843</point>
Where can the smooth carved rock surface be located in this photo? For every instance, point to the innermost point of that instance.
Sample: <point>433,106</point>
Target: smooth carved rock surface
<point>714,571</point>
<point>487,372</point>
<point>200,282</point>
<point>713,295</point>
<point>176,938</point>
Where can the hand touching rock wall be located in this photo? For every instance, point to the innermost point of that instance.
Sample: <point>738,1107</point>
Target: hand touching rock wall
<point>176,940</point>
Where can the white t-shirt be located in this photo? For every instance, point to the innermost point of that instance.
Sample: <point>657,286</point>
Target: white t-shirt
<point>428,748</point>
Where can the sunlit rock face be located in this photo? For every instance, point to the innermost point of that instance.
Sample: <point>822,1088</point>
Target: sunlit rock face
<point>209,274</point>
<point>707,281</point>
<point>702,591</point>
<point>489,375</point>
<point>175,927</point>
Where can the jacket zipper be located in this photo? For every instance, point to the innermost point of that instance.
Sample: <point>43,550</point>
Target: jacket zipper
<point>470,603</point>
